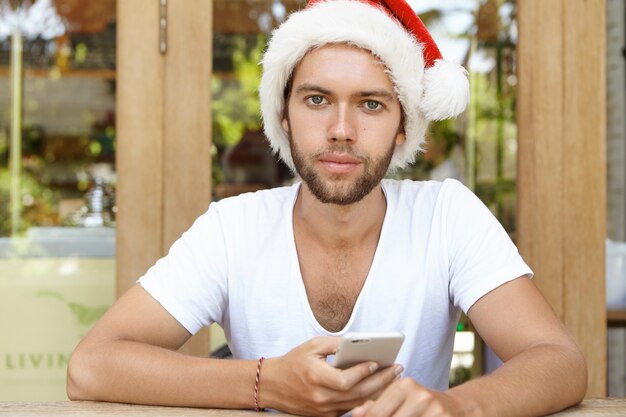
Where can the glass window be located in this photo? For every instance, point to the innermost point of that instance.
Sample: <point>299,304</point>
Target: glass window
<point>479,147</point>
<point>616,196</point>
<point>57,186</point>
<point>243,160</point>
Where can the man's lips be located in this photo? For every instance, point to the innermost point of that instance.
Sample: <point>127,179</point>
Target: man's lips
<point>339,163</point>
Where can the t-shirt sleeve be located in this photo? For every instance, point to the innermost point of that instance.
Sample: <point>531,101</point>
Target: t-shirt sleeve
<point>190,282</point>
<point>481,254</point>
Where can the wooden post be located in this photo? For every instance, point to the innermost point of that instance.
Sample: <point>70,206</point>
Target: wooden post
<point>164,133</point>
<point>187,127</point>
<point>140,107</point>
<point>561,180</point>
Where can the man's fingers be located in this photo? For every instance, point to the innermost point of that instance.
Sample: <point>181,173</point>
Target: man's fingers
<point>353,400</point>
<point>404,398</point>
<point>322,345</point>
<point>386,404</point>
<point>362,410</point>
<point>345,380</point>
<point>361,382</point>
<point>372,386</point>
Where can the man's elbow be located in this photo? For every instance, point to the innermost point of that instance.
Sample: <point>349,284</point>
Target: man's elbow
<point>79,377</point>
<point>583,377</point>
<point>578,375</point>
<point>72,390</point>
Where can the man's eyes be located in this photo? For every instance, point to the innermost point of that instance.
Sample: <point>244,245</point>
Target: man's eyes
<point>316,100</point>
<point>373,105</point>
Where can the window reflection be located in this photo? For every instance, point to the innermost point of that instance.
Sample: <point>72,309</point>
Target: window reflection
<point>480,146</point>
<point>57,181</point>
<point>242,159</point>
<point>67,99</point>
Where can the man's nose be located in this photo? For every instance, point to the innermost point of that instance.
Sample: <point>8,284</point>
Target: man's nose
<point>342,125</point>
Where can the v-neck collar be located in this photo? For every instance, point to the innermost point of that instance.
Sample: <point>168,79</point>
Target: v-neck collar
<point>296,272</point>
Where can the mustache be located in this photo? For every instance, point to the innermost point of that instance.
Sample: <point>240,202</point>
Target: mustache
<point>340,149</point>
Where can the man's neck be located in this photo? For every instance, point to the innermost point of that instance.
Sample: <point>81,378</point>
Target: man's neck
<point>340,226</point>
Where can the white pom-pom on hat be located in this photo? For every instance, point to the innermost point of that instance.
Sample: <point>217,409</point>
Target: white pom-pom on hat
<point>428,87</point>
<point>446,90</point>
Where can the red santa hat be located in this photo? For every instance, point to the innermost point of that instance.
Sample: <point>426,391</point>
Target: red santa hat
<point>428,87</point>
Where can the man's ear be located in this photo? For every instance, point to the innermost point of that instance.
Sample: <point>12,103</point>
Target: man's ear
<point>400,137</point>
<point>285,124</point>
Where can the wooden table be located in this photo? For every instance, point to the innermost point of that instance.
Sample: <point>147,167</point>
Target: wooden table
<point>592,408</point>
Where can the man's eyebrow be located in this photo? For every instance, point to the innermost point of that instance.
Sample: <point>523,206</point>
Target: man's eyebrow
<point>306,88</point>
<point>382,93</point>
<point>378,93</point>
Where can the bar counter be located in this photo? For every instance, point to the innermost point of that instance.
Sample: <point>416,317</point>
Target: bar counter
<point>589,408</point>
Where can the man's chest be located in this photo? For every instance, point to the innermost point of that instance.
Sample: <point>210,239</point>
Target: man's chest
<point>333,281</point>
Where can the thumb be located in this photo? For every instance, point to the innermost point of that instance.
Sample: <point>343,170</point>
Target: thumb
<point>323,345</point>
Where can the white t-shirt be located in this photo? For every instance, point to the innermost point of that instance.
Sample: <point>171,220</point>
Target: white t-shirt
<point>440,250</point>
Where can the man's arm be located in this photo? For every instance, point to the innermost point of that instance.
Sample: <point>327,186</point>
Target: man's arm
<point>544,370</point>
<point>130,356</point>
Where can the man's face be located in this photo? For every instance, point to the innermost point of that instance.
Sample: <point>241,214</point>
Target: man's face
<point>343,120</point>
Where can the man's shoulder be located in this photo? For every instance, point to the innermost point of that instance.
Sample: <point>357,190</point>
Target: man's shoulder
<point>411,188</point>
<point>271,200</point>
<point>408,196</point>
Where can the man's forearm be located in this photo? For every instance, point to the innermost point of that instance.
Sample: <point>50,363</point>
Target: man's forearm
<point>541,380</point>
<point>132,372</point>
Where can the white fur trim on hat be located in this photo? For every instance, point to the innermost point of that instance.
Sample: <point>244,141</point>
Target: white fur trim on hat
<point>368,27</point>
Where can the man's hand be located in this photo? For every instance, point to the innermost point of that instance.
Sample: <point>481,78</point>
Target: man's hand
<point>405,397</point>
<point>301,382</point>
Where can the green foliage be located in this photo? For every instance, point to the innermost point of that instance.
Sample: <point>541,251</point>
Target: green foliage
<point>38,203</point>
<point>446,133</point>
<point>442,132</point>
<point>236,106</point>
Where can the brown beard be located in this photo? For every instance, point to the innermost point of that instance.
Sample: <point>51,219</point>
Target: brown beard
<point>374,172</point>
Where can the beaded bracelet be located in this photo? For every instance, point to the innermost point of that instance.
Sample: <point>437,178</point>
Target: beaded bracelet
<point>256,385</point>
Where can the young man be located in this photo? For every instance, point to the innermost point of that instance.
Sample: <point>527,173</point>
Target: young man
<point>348,88</point>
